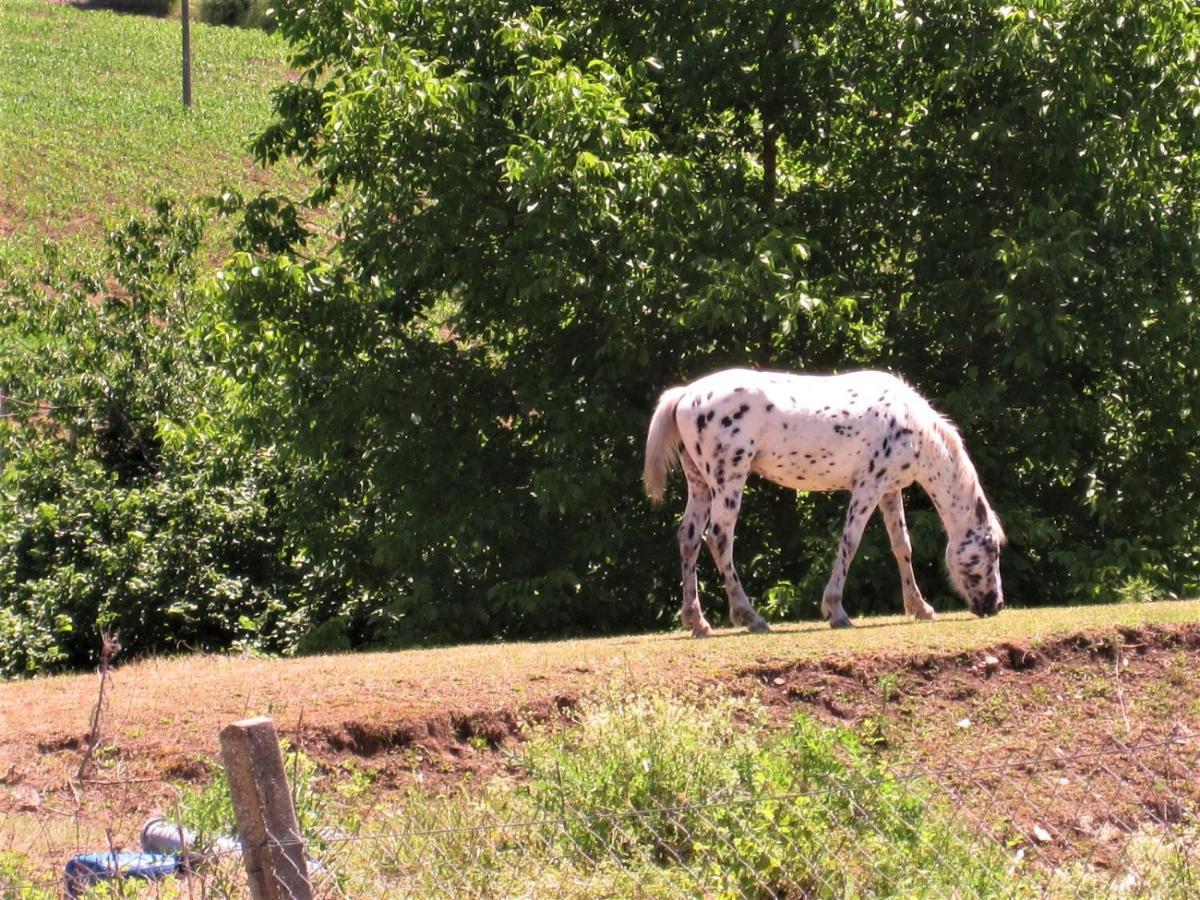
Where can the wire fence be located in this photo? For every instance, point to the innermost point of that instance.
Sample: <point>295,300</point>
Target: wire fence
<point>1119,820</point>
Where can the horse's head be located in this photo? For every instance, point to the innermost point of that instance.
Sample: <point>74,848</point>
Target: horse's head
<point>973,560</point>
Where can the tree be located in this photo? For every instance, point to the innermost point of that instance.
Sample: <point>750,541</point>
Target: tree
<point>550,213</point>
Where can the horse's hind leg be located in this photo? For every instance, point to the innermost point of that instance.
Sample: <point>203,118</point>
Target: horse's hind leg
<point>862,504</point>
<point>725,505</point>
<point>892,507</point>
<point>691,532</point>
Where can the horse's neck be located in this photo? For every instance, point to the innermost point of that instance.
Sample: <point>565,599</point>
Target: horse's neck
<point>952,490</point>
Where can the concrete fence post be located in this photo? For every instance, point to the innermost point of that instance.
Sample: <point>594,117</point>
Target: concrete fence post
<point>272,848</point>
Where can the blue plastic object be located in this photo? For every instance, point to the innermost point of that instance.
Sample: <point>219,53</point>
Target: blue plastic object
<point>89,868</point>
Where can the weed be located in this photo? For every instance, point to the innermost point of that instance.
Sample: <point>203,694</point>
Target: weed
<point>992,710</point>
<point>1181,671</point>
<point>888,687</point>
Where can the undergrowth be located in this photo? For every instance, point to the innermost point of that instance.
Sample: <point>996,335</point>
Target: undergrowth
<point>663,795</point>
<point>691,795</point>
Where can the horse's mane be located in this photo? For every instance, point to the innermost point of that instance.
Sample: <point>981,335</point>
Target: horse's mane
<point>968,478</point>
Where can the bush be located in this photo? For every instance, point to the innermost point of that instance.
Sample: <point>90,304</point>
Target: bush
<point>700,782</point>
<point>242,13</point>
<point>128,504</point>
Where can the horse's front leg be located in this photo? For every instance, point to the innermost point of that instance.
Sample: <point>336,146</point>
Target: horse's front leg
<point>892,507</point>
<point>691,532</point>
<point>863,501</point>
<point>726,502</point>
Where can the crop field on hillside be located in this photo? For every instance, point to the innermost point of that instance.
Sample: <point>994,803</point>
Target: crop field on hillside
<point>92,125</point>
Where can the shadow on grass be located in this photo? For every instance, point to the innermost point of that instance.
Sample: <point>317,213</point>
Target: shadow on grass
<point>158,9</point>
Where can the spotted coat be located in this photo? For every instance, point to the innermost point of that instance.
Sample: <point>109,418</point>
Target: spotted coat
<point>864,432</point>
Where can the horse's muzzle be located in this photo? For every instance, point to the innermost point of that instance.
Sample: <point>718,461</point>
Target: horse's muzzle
<point>988,605</point>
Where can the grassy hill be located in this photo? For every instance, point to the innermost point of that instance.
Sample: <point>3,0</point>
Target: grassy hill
<point>92,125</point>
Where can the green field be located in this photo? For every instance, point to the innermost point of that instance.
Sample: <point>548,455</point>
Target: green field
<point>92,125</point>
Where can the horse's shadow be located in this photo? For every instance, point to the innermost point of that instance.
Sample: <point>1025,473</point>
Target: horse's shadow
<point>798,628</point>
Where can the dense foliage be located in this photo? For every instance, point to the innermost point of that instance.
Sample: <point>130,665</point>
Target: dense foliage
<point>129,504</point>
<point>550,213</point>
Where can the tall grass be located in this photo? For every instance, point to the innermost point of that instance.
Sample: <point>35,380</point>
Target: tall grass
<point>681,796</point>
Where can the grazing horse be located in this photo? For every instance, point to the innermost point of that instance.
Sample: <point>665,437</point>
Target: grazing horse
<point>864,432</point>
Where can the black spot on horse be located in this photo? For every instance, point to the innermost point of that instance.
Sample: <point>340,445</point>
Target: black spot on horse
<point>726,421</point>
<point>881,473</point>
<point>770,406</point>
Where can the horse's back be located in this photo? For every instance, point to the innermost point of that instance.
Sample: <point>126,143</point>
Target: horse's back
<point>800,391</point>
<point>812,432</point>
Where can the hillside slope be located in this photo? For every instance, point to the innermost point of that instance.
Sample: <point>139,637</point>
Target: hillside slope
<point>1058,685</point>
<point>175,707</point>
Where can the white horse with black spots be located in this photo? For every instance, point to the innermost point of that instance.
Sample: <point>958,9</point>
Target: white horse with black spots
<point>864,432</point>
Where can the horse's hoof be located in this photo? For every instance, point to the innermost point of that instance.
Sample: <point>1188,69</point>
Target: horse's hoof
<point>842,622</point>
<point>758,626</point>
<point>702,630</point>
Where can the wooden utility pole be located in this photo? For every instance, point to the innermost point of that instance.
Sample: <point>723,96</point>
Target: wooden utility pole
<point>272,849</point>
<point>187,55</point>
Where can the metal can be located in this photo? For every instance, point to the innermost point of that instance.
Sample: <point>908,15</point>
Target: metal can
<point>161,836</point>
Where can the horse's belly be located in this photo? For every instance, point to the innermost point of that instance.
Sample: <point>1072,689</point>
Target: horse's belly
<point>803,473</point>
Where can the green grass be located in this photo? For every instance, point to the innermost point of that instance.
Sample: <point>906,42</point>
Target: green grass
<point>92,125</point>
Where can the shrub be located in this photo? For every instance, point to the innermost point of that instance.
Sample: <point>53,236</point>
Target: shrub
<point>128,503</point>
<point>242,13</point>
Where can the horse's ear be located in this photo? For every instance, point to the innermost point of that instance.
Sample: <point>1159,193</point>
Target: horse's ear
<point>980,510</point>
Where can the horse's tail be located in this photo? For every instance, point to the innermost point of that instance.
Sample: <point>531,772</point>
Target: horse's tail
<point>662,444</point>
